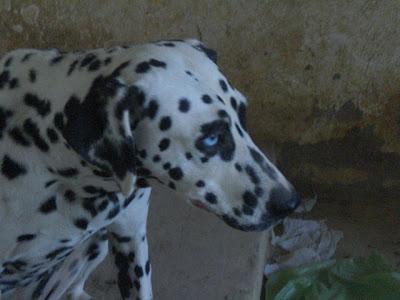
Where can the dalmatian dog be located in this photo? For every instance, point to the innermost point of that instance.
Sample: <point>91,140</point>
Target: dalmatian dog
<point>84,136</point>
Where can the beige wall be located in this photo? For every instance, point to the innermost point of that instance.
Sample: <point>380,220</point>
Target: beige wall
<point>322,77</point>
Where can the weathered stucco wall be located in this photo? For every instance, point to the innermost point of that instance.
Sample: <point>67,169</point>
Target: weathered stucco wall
<point>322,77</point>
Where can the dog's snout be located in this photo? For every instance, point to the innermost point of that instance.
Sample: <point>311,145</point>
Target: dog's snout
<point>282,201</point>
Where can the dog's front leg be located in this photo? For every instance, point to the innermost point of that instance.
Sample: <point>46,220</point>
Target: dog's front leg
<point>130,249</point>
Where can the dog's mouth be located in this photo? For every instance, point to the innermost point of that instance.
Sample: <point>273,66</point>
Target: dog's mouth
<point>199,204</point>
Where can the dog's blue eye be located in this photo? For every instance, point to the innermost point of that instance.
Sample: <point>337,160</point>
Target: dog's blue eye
<point>211,140</point>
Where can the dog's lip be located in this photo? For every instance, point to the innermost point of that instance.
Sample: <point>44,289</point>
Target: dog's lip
<point>198,203</point>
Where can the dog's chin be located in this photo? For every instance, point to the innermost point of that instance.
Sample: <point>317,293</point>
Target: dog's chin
<point>264,225</point>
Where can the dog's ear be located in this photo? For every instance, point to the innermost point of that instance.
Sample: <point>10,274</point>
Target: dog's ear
<point>98,128</point>
<point>210,53</point>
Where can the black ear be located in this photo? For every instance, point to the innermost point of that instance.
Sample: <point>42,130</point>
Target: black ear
<point>211,54</point>
<point>98,128</point>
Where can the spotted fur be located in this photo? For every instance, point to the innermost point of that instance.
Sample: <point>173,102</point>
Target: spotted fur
<point>84,136</point>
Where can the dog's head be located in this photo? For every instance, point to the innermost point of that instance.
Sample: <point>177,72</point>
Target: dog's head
<point>190,134</point>
<point>175,119</point>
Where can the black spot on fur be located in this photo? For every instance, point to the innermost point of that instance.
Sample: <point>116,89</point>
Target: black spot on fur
<point>45,277</point>
<point>252,174</point>
<point>88,59</point>
<point>147,267</point>
<point>258,191</point>
<point>118,70</point>
<point>53,254</point>
<point>234,103</point>
<point>14,83</point>
<point>124,279</point>
<point>172,185</point>
<point>68,172</point>
<point>265,167</point>
<point>26,57</point>
<point>188,155</point>
<point>32,130</point>
<point>52,134</point>
<point>107,61</point>
<point>12,169</point>
<point>211,198</point>
<point>223,85</point>
<point>200,183</point>
<point>4,115</point>
<point>164,144</point>
<point>143,153</point>
<point>156,158</point>
<point>165,123</point>
<point>242,115</point>
<point>138,271</point>
<point>72,67</point>
<point>88,122</point>
<point>151,110</point>
<point>239,130</point>
<point>92,251</point>
<point>49,205</point>
<point>211,54</point>
<point>206,99</point>
<point>50,183</point>
<point>220,100</point>
<point>17,135</point>
<point>26,237</point>
<point>247,210</point>
<point>169,44</point>
<point>8,62</point>
<point>176,173</point>
<point>223,114</point>
<point>250,199</point>
<point>142,67</point>
<point>81,223</point>
<point>113,212</point>
<point>94,65</point>
<point>56,60</point>
<point>59,121</point>
<point>103,205</point>
<point>237,212</point>
<point>120,238</point>
<point>69,196</point>
<point>184,105</point>
<point>156,63</point>
<point>41,106</point>
<point>4,78</point>
<point>238,167</point>
<point>32,75</point>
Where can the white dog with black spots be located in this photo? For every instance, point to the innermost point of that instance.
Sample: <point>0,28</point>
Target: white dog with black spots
<point>84,136</point>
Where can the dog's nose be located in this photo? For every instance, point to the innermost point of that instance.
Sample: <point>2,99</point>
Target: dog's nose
<point>282,202</point>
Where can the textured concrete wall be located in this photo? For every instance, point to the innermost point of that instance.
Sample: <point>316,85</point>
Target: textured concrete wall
<point>322,76</point>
